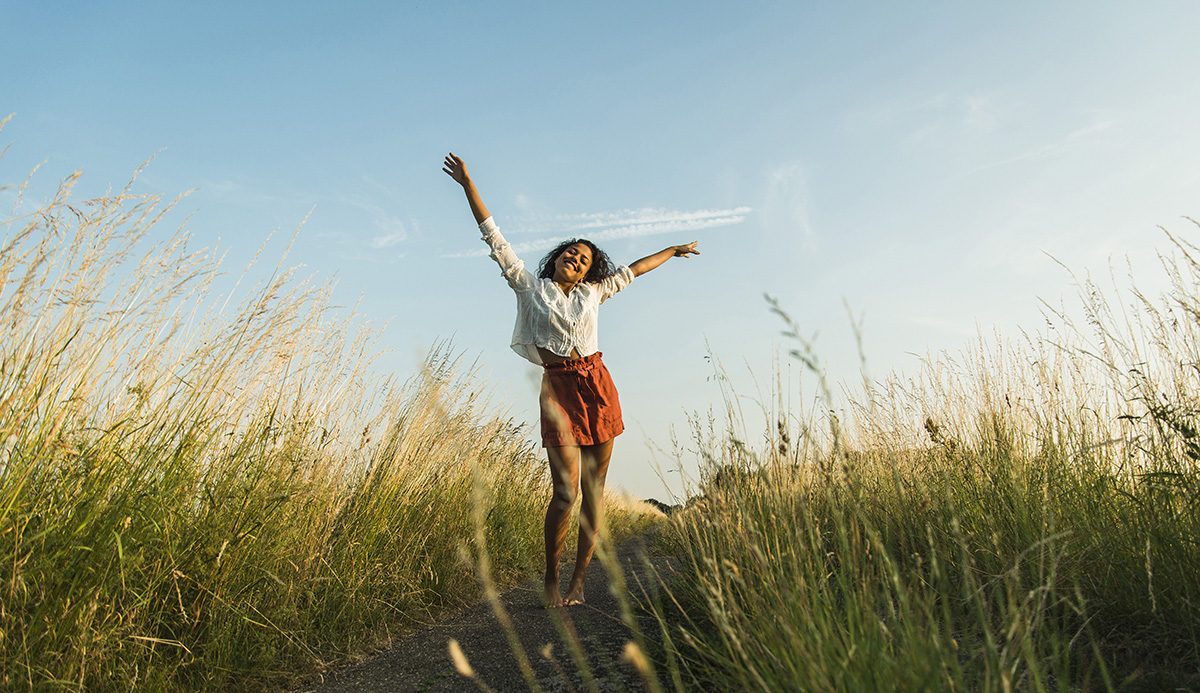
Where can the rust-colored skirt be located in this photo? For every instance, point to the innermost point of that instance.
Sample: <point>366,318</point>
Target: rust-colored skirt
<point>579,403</point>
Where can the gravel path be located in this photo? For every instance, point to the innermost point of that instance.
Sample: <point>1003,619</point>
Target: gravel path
<point>421,660</point>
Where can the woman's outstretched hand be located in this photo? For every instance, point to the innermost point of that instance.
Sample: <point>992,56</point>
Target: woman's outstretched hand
<point>456,169</point>
<point>651,261</point>
<point>686,250</point>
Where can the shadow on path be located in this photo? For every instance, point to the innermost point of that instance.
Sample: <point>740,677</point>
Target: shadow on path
<point>421,660</point>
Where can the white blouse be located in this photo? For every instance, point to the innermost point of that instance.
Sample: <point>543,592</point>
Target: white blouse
<point>546,317</point>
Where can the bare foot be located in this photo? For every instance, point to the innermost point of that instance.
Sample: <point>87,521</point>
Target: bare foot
<point>551,596</point>
<point>574,596</point>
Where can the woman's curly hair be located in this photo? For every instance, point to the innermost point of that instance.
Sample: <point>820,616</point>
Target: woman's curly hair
<point>602,265</point>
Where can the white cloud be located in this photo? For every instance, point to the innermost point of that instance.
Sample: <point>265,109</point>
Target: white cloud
<point>611,226</point>
<point>785,208</point>
<point>222,186</point>
<point>981,113</point>
<point>387,240</point>
<point>391,230</point>
<point>649,216</point>
<point>380,187</point>
<point>929,119</point>
<point>897,109</point>
<point>1051,148</point>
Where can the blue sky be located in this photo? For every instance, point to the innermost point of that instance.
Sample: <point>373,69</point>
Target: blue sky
<point>925,164</point>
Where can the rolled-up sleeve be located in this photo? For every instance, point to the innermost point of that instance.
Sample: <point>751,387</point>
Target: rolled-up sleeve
<point>511,266</point>
<point>611,285</point>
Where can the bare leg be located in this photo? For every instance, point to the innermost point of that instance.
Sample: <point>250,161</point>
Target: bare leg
<point>593,459</point>
<point>564,473</point>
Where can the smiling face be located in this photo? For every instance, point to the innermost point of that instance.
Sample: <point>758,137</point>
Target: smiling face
<point>572,264</point>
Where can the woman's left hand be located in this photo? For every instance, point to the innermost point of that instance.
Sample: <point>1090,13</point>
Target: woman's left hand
<point>686,250</point>
<point>651,261</point>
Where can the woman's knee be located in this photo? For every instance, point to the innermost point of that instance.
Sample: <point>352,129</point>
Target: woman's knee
<point>592,487</point>
<point>563,497</point>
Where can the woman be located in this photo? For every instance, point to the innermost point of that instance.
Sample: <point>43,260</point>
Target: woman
<point>580,412</point>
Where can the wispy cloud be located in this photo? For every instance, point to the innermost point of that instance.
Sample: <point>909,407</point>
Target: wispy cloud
<point>981,113</point>
<point>785,207</point>
<point>363,226</point>
<point>390,229</point>
<point>929,119</point>
<point>610,226</point>
<point>387,240</point>
<point>1051,148</point>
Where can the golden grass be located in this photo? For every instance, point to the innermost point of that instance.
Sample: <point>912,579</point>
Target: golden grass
<point>1021,517</point>
<point>203,491</point>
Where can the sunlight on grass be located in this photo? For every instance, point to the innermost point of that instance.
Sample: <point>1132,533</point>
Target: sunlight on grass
<point>204,491</point>
<point>213,491</point>
<point>1021,518</point>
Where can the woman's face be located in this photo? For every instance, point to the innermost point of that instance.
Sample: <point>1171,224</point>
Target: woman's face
<point>572,264</point>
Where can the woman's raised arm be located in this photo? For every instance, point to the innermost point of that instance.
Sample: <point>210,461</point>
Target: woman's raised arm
<point>456,169</point>
<point>651,261</point>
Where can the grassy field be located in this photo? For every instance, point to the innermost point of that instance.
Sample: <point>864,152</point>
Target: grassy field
<point>204,491</point>
<point>1023,517</point>
<point>211,491</point>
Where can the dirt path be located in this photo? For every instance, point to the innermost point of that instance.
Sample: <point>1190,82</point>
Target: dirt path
<point>421,661</point>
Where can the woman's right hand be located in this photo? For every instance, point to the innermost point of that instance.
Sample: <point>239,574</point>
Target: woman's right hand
<point>456,169</point>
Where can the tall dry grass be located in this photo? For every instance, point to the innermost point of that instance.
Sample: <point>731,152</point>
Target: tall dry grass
<point>1020,517</point>
<point>211,491</point>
